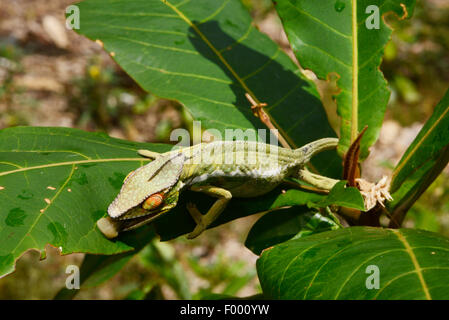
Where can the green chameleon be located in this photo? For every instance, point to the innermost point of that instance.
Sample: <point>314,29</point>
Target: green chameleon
<point>222,169</point>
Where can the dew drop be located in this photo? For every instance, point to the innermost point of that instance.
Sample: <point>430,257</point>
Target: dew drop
<point>339,6</point>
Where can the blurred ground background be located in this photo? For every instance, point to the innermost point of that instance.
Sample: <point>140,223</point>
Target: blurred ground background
<point>50,76</point>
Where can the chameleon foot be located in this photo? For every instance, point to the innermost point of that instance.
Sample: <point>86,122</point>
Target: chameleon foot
<point>203,221</point>
<point>196,232</point>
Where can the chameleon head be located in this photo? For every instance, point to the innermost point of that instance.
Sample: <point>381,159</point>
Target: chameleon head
<point>147,192</point>
<point>151,208</point>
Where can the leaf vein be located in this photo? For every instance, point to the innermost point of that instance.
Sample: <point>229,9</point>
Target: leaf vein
<point>415,262</point>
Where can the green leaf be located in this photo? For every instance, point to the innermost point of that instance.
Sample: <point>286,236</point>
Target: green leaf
<point>207,55</point>
<point>330,37</point>
<point>423,161</point>
<point>55,183</point>
<point>343,196</point>
<point>282,225</point>
<point>411,264</point>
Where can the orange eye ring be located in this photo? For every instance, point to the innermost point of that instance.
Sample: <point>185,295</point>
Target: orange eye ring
<point>153,201</point>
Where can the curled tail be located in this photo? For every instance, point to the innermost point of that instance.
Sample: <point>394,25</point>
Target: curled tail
<point>305,153</point>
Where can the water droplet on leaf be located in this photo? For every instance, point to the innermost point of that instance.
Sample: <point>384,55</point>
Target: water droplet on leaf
<point>339,6</point>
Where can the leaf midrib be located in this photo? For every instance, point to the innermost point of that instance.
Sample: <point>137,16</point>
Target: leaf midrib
<point>415,262</point>
<point>355,71</point>
<point>418,144</point>
<point>58,164</point>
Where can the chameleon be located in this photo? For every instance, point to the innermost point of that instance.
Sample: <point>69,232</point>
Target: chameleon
<point>221,169</point>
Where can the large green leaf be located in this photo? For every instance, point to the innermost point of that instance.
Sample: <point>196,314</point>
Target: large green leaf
<point>207,55</point>
<point>55,183</point>
<point>423,161</point>
<point>331,37</point>
<point>411,264</point>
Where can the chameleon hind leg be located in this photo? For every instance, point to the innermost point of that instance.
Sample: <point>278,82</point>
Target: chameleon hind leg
<point>203,221</point>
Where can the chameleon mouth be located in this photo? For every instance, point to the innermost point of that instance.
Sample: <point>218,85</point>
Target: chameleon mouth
<point>111,227</point>
<point>133,223</point>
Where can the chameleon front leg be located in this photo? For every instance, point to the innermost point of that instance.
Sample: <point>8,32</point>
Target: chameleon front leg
<point>153,154</point>
<point>148,154</point>
<point>203,221</point>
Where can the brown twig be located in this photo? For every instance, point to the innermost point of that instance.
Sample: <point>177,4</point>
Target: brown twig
<point>257,109</point>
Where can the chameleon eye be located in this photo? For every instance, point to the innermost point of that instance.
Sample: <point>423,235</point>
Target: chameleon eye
<point>153,201</point>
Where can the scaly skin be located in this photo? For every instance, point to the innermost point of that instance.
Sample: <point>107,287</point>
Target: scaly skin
<point>222,169</point>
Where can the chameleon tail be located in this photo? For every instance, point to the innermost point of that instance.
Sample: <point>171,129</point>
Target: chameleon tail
<point>305,153</point>
<point>309,150</point>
